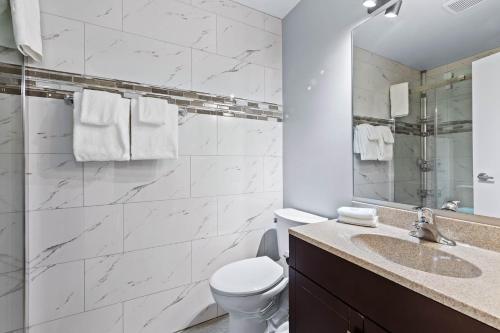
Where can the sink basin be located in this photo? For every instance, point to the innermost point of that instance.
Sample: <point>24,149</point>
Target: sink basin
<point>416,256</point>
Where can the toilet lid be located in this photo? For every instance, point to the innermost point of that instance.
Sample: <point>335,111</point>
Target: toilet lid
<point>247,277</point>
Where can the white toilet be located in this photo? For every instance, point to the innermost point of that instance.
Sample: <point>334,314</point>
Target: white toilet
<point>249,290</point>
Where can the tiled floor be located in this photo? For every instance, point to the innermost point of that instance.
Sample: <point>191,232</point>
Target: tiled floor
<point>218,325</point>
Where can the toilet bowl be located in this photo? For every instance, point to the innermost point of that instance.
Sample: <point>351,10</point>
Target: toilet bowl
<point>249,290</point>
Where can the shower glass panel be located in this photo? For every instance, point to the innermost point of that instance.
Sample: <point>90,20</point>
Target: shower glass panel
<point>11,200</point>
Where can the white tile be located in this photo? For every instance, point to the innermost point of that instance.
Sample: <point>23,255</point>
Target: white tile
<point>10,56</point>
<point>171,310</point>
<point>62,44</point>
<point>234,10</point>
<point>55,181</point>
<point>107,13</point>
<point>11,242</point>
<point>11,124</point>
<point>104,320</point>
<point>11,301</point>
<point>273,24</point>
<point>72,234</point>
<point>50,126</point>
<point>248,211</point>
<point>220,75</point>
<point>123,277</point>
<point>55,291</point>
<point>198,134</point>
<point>211,254</point>
<point>118,55</point>
<point>136,181</point>
<point>273,174</point>
<point>225,175</point>
<point>274,86</point>
<point>171,21</point>
<point>237,136</point>
<point>237,40</point>
<point>150,224</point>
<point>11,183</point>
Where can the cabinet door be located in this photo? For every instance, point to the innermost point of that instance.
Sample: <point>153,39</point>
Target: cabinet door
<point>315,310</point>
<point>371,327</point>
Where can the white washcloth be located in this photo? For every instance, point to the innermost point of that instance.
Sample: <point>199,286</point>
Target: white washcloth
<point>102,143</point>
<point>26,26</point>
<point>100,108</point>
<point>155,141</point>
<point>152,111</point>
<point>385,143</point>
<point>400,100</point>
<point>373,223</point>
<point>358,213</point>
<point>366,142</point>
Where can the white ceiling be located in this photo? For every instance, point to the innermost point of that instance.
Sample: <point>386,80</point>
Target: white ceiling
<point>426,36</point>
<point>278,8</point>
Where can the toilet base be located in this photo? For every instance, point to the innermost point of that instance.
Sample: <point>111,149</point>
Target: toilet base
<point>240,324</point>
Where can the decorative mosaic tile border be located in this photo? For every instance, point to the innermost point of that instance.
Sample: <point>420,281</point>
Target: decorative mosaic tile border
<point>60,85</point>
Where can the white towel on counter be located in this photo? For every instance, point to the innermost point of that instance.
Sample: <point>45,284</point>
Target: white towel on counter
<point>372,223</point>
<point>400,100</point>
<point>358,213</point>
<point>101,143</point>
<point>156,139</point>
<point>100,108</point>
<point>385,143</point>
<point>26,27</point>
<point>366,142</point>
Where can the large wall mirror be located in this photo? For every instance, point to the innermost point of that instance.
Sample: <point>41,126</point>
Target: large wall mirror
<point>426,106</point>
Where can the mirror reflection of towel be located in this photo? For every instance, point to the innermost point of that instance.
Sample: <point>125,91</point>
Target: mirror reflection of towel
<point>6,33</point>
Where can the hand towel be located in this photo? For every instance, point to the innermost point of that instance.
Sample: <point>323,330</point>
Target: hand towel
<point>155,141</point>
<point>26,26</point>
<point>373,223</point>
<point>102,143</point>
<point>358,213</point>
<point>152,111</point>
<point>385,143</point>
<point>99,108</point>
<point>400,100</point>
<point>6,33</point>
<point>366,142</point>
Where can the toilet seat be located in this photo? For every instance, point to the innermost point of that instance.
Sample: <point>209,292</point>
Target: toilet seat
<point>247,277</point>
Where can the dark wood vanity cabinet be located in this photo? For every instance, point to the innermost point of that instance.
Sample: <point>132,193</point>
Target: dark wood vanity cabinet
<point>331,295</point>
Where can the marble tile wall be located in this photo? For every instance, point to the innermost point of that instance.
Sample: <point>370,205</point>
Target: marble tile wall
<point>129,247</point>
<point>213,46</point>
<point>372,77</point>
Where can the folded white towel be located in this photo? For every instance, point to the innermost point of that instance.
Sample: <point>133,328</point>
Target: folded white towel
<point>100,108</point>
<point>152,111</point>
<point>26,26</point>
<point>155,141</point>
<point>358,213</point>
<point>385,143</point>
<point>102,143</point>
<point>400,100</point>
<point>6,32</point>
<point>373,223</point>
<point>366,142</point>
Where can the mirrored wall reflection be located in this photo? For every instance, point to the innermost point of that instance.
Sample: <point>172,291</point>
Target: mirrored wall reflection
<point>11,207</point>
<point>422,100</point>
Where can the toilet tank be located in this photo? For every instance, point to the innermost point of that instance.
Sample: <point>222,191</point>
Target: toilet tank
<point>288,218</point>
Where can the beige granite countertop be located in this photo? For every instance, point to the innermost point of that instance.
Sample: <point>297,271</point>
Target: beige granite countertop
<point>477,297</point>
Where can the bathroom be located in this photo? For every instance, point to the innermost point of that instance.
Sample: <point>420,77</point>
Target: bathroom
<point>249,166</point>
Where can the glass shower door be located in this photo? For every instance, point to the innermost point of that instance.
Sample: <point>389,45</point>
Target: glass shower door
<point>11,200</point>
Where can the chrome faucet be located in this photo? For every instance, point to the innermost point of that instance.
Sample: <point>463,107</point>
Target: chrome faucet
<point>426,228</point>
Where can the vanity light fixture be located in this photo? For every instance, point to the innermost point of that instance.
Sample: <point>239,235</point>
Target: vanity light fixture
<point>393,11</point>
<point>370,3</point>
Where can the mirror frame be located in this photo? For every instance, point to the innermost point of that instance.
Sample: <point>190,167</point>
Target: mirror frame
<point>488,220</point>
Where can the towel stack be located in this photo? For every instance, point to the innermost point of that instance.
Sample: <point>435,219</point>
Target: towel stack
<point>373,143</point>
<point>366,217</point>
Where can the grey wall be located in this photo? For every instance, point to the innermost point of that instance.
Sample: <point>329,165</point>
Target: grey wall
<point>317,129</point>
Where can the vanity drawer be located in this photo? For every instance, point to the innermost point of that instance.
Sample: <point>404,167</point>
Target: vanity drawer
<point>390,305</point>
